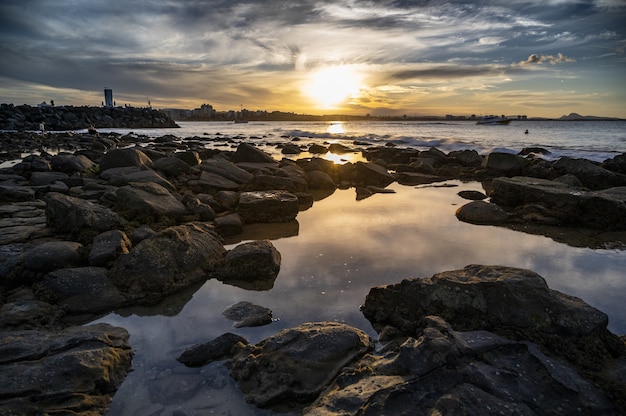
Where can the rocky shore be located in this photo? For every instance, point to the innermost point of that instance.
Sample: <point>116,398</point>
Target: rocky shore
<point>60,118</point>
<point>109,221</point>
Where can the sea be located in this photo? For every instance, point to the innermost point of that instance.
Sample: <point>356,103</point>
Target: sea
<point>592,140</point>
<point>339,248</point>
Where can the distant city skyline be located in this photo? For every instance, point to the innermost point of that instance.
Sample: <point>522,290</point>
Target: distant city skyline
<point>543,58</point>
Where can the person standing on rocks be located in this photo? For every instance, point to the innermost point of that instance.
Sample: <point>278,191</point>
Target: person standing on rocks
<point>92,130</point>
<point>42,128</point>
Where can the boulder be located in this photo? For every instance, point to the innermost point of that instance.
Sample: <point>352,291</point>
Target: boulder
<point>227,170</point>
<point>372,174</point>
<point>605,209</point>
<point>505,163</point>
<point>448,372</point>
<point>591,175</point>
<point>316,179</point>
<point>228,225</point>
<point>224,346</point>
<point>46,178</point>
<point>268,206</point>
<point>247,314</point>
<point>146,175</point>
<point>481,212</point>
<point>169,261</point>
<point>467,158</point>
<point>73,371</point>
<point>108,246</point>
<point>124,157</point>
<point>29,314</point>
<point>291,368</point>
<point>172,167</point>
<point>71,163</point>
<point>472,195</point>
<point>213,182</point>
<point>149,201</point>
<point>77,216</point>
<point>249,153</point>
<point>252,262</point>
<point>16,193</point>
<point>53,255</point>
<point>80,290</point>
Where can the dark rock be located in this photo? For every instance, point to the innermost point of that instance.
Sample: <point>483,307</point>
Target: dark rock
<point>213,182</point>
<point>317,179</point>
<point>224,346</point>
<point>534,150</point>
<point>148,201</point>
<point>146,175</point>
<point>339,148</point>
<point>46,178</point>
<point>29,314</point>
<point>54,255</point>
<point>82,290</point>
<point>604,209</point>
<point>415,178</point>
<point>472,195</point>
<point>481,212</point>
<point>108,246</point>
<point>468,158</point>
<point>73,371</point>
<point>195,206</point>
<point>191,158</point>
<point>248,314</point>
<point>228,225</point>
<point>292,367</point>
<point>372,174</point>
<point>171,166</point>
<point>616,164</point>
<point>71,163</point>
<point>16,193</point>
<point>267,206</point>
<point>591,175</point>
<point>169,261</point>
<point>271,183</point>
<point>252,261</point>
<point>249,153</point>
<point>141,233</point>
<point>77,216</point>
<point>117,158</point>
<point>318,149</point>
<point>291,149</point>
<point>505,163</point>
<point>227,170</point>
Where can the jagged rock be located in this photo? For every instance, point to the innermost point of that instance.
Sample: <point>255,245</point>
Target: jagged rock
<point>169,261</point>
<point>76,216</point>
<point>148,200</point>
<point>117,158</point>
<point>292,367</point>
<point>108,246</point>
<point>267,206</point>
<point>248,314</point>
<point>605,209</point>
<point>54,255</point>
<point>81,290</point>
<point>224,346</point>
<point>73,371</point>
<point>481,212</point>
<point>470,373</point>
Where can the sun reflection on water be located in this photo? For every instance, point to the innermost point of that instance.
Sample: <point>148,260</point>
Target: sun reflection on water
<point>336,127</point>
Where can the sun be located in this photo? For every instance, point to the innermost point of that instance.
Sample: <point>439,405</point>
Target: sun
<point>331,86</point>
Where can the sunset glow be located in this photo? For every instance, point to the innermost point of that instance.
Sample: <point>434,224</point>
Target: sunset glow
<point>332,86</point>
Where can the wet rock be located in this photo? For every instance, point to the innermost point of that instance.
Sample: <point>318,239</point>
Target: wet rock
<point>108,246</point>
<point>317,179</point>
<point>249,153</point>
<point>288,370</point>
<point>123,158</point>
<point>248,314</point>
<point>54,255</point>
<point>416,178</point>
<point>81,290</point>
<point>481,212</point>
<point>468,158</point>
<point>472,195</point>
<point>228,225</point>
<point>252,261</point>
<point>272,182</point>
<point>505,163</point>
<point>73,371</point>
<point>267,206</point>
<point>591,175</point>
<point>605,209</point>
<point>291,149</point>
<point>169,261</point>
<point>226,169</point>
<point>472,373</point>
<point>372,174</point>
<point>76,216</point>
<point>224,346</point>
<point>148,201</point>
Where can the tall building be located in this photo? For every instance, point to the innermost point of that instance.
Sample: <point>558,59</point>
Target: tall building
<point>108,97</point>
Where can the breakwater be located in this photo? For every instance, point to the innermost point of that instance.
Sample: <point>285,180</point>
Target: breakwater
<point>59,118</point>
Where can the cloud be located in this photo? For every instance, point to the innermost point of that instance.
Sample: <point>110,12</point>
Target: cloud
<point>536,59</point>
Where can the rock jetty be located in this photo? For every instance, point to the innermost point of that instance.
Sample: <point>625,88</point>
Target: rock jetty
<point>108,221</point>
<point>57,118</point>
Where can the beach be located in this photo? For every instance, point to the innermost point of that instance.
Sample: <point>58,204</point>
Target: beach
<point>341,246</point>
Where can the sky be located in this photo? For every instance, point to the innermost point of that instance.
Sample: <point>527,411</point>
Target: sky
<point>541,58</point>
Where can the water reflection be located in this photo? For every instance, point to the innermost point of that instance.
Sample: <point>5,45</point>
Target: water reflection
<point>331,257</point>
<point>336,127</point>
